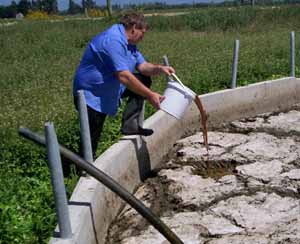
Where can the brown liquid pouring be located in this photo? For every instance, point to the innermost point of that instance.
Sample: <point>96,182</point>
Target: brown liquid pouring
<point>202,112</point>
<point>203,120</point>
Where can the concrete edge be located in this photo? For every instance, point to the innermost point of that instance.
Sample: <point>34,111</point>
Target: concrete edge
<point>93,207</point>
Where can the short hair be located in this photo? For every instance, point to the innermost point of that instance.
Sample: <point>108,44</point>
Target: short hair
<point>134,18</point>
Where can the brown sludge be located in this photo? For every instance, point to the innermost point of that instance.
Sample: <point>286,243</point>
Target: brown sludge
<point>203,121</point>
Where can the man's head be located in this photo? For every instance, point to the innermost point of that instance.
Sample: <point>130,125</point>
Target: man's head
<point>135,26</point>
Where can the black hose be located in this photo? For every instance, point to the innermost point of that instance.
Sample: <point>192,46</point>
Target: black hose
<point>110,183</point>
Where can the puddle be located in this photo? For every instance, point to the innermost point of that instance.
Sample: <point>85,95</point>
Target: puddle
<point>215,170</point>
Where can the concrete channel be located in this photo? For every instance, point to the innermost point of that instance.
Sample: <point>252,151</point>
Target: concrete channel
<point>217,184</point>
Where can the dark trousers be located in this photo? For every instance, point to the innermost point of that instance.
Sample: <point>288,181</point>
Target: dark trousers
<point>134,106</point>
<point>130,117</point>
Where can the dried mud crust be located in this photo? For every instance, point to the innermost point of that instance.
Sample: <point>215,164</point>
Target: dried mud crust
<point>246,189</point>
<point>153,193</point>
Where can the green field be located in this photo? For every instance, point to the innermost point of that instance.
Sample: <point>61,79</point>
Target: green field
<point>38,60</point>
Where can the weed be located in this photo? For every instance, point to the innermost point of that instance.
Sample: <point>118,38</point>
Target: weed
<point>39,60</point>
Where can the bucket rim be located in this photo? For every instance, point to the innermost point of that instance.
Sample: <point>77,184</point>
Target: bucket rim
<point>179,88</point>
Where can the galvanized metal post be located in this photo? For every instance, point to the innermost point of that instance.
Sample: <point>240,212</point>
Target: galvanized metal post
<point>57,178</point>
<point>166,63</point>
<point>165,60</point>
<point>112,185</point>
<point>235,63</point>
<point>85,135</point>
<point>292,53</point>
<point>142,116</point>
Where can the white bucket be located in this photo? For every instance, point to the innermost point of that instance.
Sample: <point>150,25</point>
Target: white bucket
<point>177,99</point>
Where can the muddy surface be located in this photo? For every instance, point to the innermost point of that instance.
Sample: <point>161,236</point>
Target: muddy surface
<point>245,191</point>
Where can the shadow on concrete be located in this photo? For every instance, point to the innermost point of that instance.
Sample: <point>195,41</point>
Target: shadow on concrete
<point>87,204</point>
<point>142,155</point>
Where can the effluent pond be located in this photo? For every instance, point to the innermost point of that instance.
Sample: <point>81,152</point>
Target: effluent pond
<point>245,191</point>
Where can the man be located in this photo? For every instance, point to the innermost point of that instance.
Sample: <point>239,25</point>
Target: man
<point>105,74</point>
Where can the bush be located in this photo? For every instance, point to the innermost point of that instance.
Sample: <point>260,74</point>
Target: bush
<point>37,15</point>
<point>95,13</point>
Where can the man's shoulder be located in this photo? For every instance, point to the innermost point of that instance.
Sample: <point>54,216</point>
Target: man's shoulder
<point>111,35</point>
<point>117,33</point>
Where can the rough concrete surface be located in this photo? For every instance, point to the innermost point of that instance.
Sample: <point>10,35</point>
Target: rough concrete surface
<point>245,191</point>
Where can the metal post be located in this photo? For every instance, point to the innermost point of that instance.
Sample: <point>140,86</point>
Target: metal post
<point>166,63</point>
<point>165,60</point>
<point>142,116</point>
<point>235,63</point>
<point>112,185</point>
<point>85,135</point>
<point>292,54</point>
<point>57,178</point>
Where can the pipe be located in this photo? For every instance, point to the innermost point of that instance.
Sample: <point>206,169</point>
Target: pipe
<point>235,63</point>
<point>84,128</point>
<point>166,60</point>
<point>292,50</point>
<point>166,63</point>
<point>111,184</point>
<point>58,185</point>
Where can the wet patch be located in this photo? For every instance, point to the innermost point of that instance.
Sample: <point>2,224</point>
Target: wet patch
<point>215,170</point>
<point>245,189</point>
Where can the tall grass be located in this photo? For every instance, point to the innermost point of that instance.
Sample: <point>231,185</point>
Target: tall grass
<point>222,19</point>
<point>38,60</point>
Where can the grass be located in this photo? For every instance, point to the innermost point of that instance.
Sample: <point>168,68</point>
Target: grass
<point>38,60</point>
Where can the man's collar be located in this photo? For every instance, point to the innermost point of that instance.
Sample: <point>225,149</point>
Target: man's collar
<point>123,32</point>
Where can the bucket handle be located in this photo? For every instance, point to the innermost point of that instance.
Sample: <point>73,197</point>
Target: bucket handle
<point>183,86</point>
<point>178,80</point>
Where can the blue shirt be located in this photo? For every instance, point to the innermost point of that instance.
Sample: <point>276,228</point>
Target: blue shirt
<point>106,54</point>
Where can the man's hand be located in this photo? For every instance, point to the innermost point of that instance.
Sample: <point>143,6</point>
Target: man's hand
<point>155,99</point>
<point>168,70</point>
<point>150,69</point>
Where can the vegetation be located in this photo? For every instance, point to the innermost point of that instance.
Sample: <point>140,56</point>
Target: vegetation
<point>38,60</point>
<point>23,6</point>
<point>85,6</point>
<point>50,7</point>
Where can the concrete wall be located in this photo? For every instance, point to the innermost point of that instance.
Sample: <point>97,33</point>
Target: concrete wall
<point>93,207</point>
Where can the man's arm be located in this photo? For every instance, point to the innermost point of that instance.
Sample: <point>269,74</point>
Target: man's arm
<point>132,83</point>
<point>150,69</point>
